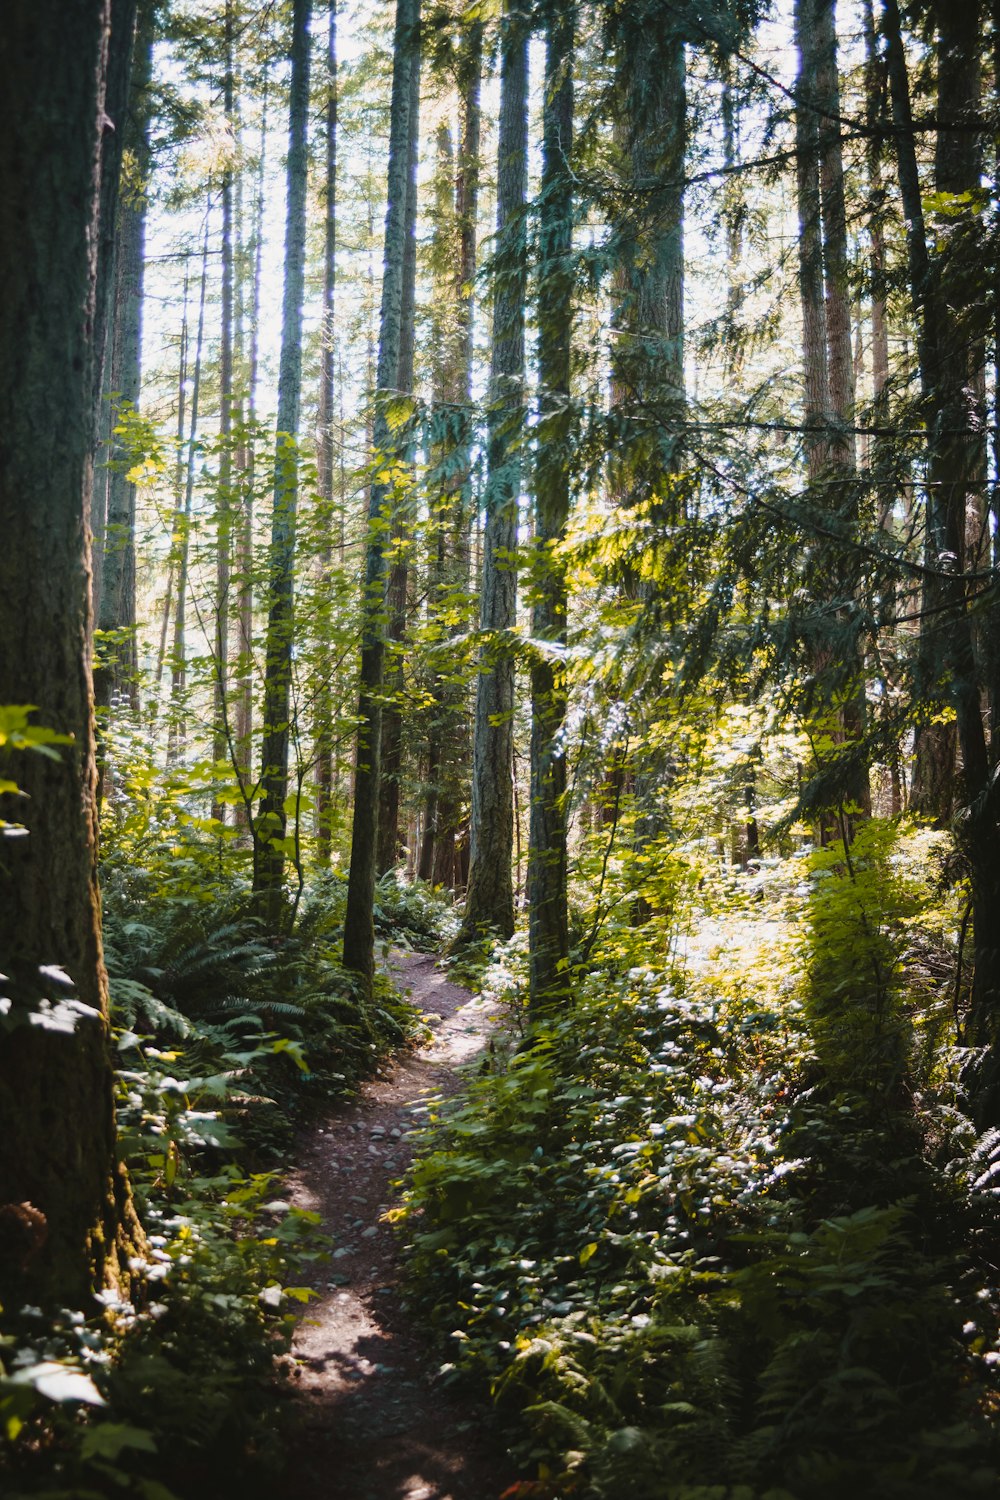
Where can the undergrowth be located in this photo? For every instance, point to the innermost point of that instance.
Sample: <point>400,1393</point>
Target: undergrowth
<point>721,1229</point>
<point>227,1041</point>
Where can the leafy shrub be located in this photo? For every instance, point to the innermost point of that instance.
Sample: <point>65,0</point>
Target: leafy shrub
<point>698,1241</point>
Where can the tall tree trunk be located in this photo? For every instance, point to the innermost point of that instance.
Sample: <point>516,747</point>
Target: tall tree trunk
<point>450,867</point>
<point>116,609</point>
<point>245,549</point>
<point>359,928</point>
<point>490,900</point>
<point>815,341</point>
<point>995,413</point>
<point>178,516</point>
<point>116,98</point>
<point>548,930</point>
<point>325,453</point>
<point>849,689</point>
<point>945,365</point>
<point>440,559</point>
<point>181,540</point>
<point>647,364</point>
<point>387,849</point>
<point>65,1211</point>
<point>733,218</point>
<point>874,107</point>
<point>118,88</point>
<point>224,495</point>
<point>271,821</point>
<point>950,670</point>
<point>828,361</point>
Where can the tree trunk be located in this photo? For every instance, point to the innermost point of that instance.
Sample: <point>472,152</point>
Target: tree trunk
<point>874,107</point>
<point>950,669</point>
<point>245,548</point>
<point>455,264</point>
<point>815,342</point>
<point>65,1210</point>
<point>325,448</point>
<point>168,602</point>
<point>456,757</point>
<point>359,928</point>
<point>829,391</point>
<point>118,89</point>
<point>271,821</point>
<point>490,900</point>
<point>116,612</point>
<point>387,850</point>
<point>181,539</point>
<point>647,364</point>
<point>548,931</point>
<point>958,466</point>
<point>224,496</point>
<point>848,688</point>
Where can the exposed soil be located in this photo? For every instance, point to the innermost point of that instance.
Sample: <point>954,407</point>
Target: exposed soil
<point>376,1423</point>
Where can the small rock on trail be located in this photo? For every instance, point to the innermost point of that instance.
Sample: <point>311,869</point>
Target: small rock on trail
<point>375,1425</point>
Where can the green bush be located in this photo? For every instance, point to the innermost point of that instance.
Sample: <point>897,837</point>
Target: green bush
<point>701,1243</point>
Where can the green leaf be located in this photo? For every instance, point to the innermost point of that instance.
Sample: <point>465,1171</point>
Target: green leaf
<point>109,1439</point>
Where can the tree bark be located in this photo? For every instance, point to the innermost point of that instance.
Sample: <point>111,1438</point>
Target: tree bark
<point>118,88</point>
<point>359,927</point>
<point>271,821</point>
<point>388,850</point>
<point>325,447</point>
<point>65,1212</point>
<point>548,930</point>
<point>950,670</point>
<point>118,676</point>
<point>181,539</point>
<point>815,341</point>
<point>224,494</point>
<point>647,357</point>
<point>449,864</point>
<point>245,543</point>
<point>489,902</point>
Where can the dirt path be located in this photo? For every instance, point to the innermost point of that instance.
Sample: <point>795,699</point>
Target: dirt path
<point>376,1426</point>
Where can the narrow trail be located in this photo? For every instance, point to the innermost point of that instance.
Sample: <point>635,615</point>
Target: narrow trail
<point>375,1425</point>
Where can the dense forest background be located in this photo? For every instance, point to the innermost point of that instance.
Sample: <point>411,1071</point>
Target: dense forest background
<point>518,480</point>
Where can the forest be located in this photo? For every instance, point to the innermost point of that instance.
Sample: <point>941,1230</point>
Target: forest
<point>500,749</point>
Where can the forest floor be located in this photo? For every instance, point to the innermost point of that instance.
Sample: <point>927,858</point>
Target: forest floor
<point>375,1422</point>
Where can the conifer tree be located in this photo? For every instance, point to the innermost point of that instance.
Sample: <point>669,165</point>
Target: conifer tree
<point>325,447</point>
<point>490,899</point>
<point>66,1219</point>
<point>548,920</point>
<point>359,929</point>
<point>271,821</point>
<point>951,670</point>
<point>397,597</point>
<point>115,601</point>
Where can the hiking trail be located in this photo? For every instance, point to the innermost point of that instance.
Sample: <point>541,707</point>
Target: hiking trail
<point>377,1424</point>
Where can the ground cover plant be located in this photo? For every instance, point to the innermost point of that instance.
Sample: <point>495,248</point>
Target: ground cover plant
<point>227,1045</point>
<point>697,1240</point>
